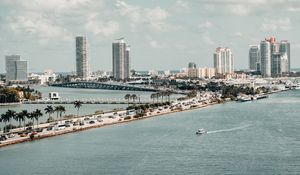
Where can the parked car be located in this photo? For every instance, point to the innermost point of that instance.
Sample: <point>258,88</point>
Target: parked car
<point>60,127</point>
<point>92,122</point>
<point>29,128</point>
<point>23,135</point>
<point>49,128</point>
<point>39,130</point>
<point>75,123</point>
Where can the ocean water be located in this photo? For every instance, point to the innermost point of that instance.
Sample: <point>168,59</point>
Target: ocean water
<point>261,137</point>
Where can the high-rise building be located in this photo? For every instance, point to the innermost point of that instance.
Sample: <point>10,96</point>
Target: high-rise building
<point>254,58</point>
<point>127,62</point>
<point>192,65</point>
<point>206,72</point>
<point>276,65</point>
<point>284,49</point>
<point>274,57</point>
<point>223,60</point>
<point>265,52</point>
<point>16,69</point>
<point>192,70</point>
<point>82,69</point>
<point>121,60</point>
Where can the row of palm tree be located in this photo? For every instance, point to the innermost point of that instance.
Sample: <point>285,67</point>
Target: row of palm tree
<point>161,94</point>
<point>35,115</point>
<point>128,97</point>
<point>21,116</point>
<point>58,109</point>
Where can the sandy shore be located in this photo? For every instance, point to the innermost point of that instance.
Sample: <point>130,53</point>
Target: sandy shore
<point>109,118</point>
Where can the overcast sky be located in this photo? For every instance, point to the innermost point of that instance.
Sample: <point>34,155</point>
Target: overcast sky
<point>163,34</point>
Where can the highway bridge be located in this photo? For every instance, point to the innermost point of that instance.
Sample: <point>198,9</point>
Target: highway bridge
<point>101,85</point>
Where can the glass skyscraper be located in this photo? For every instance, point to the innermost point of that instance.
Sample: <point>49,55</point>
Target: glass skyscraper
<point>82,70</point>
<point>284,50</point>
<point>16,69</point>
<point>254,58</point>
<point>265,52</point>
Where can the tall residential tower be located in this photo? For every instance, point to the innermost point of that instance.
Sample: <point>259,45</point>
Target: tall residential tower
<point>82,69</point>
<point>254,58</point>
<point>121,60</point>
<point>284,50</point>
<point>265,52</point>
<point>223,60</point>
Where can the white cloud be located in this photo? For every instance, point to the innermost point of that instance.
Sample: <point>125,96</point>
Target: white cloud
<point>209,7</point>
<point>207,38</point>
<point>36,25</point>
<point>206,25</point>
<point>238,34</point>
<point>282,24</point>
<point>48,5</point>
<point>98,27</point>
<point>240,9</point>
<point>154,44</point>
<point>293,9</point>
<point>181,6</point>
<point>155,18</point>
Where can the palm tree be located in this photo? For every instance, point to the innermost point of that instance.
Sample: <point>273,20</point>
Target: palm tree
<point>168,94</point>
<point>56,109</point>
<point>37,114</point>
<point>25,115</point>
<point>11,114</point>
<point>77,104</point>
<point>19,118</point>
<point>127,97</point>
<point>162,94</point>
<point>62,109</point>
<point>134,97</point>
<point>153,96</point>
<point>157,96</point>
<point>49,110</point>
<point>5,119</point>
<point>31,117</point>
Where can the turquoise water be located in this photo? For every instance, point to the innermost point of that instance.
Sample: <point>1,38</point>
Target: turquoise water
<point>261,137</point>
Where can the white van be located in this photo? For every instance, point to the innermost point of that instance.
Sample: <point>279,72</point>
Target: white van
<point>59,127</point>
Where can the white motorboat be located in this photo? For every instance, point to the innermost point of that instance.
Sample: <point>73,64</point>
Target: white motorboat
<point>201,131</point>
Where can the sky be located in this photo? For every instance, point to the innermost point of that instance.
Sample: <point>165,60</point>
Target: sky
<point>163,34</point>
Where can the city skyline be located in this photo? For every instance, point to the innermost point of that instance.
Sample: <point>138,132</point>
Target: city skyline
<point>170,32</point>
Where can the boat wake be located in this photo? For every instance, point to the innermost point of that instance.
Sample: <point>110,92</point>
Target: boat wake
<point>229,130</point>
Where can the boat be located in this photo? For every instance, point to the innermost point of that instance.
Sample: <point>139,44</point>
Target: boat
<point>261,96</point>
<point>244,98</point>
<point>201,131</point>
